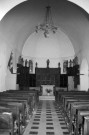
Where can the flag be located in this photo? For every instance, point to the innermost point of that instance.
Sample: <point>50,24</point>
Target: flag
<point>10,63</point>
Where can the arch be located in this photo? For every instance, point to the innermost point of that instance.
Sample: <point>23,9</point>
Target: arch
<point>8,7</point>
<point>84,75</point>
<point>82,4</point>
<point>38,46</point>
<point>15,31</point>
<point>17,35</point>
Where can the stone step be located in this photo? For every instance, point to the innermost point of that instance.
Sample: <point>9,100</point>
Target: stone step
<point>46,97</point>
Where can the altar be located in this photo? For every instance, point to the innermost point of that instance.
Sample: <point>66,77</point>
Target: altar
<point>47,90</point>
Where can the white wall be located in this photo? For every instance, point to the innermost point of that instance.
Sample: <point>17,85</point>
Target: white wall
<point>84,75</point>
<point>10,82</point>
<point>6,79</point>
<point>3,63</point>
<point>57,48</point>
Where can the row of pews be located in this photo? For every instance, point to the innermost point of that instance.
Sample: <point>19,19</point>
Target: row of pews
<point>74,106</point>
<point>16,108</point>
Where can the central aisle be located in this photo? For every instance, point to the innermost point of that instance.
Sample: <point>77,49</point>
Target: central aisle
<point>46,120</point>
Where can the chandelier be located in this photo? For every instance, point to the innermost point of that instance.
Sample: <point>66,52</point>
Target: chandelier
<point>47,26</point>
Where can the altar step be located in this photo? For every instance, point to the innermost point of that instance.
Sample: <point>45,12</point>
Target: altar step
<point>46,97</point>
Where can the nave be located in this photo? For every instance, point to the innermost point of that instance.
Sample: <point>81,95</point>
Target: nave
<point>46,120</point>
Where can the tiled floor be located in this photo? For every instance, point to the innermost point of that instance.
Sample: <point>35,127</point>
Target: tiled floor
<point>47,120</point>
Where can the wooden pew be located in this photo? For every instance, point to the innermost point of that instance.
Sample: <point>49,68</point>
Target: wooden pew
<point>16,99</point>
<point>81,113</point>
<point>24,93</point>
<point>73,113</point>
<point>30,99</point>
<point>70,98</point>
<point>8,114</point>
<point>26,106</point>
<point>33,91</point>
<point>18,103</point>
<point>86,125</point>
<point>27,96</point>
<point>61,93</point>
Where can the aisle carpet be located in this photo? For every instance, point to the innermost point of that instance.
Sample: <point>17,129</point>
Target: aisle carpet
<point>47,120</point>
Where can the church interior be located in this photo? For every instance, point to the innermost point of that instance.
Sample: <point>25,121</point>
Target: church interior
<point>44,67</point>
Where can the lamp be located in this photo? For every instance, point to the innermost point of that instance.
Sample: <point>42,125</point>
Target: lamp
<point>47,26</point>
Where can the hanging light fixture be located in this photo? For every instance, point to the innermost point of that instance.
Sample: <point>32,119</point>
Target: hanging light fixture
<point>47,26</point>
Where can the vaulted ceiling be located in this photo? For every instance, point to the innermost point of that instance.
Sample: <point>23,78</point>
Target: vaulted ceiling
<point>6,5</point>
<point>19,23</point>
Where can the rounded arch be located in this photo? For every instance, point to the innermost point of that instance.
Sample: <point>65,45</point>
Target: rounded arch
<point>57,45</point>
<point>84,75</point>
<point>19,23</point>
<point>24,28</point>
<point>82,4</point>
<point>7,6</point>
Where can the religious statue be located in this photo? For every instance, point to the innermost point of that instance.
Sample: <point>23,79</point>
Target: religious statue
<point>59,65</point>
<point>26,63</point>
<point>70,63</point>
<point>75,61</point>
<point>65,65</point>
<point>19,59</point>
<point>31,65</point>
<point>22,61</point>
<point>48,61</point>
<point>36,64</point>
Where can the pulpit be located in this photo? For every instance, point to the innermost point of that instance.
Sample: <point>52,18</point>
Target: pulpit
<point>47,90</point>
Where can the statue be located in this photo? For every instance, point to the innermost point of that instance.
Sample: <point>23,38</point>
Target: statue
<point>65,65</point>
<point>26,63</point>
<point>22,61</point>
<point>75,61</point>
<point>59,65</point>
<point>70,63</point>
<point>19,59</point>
<point>36,64</point>
<point>30,65</point>
<point>48,61</point>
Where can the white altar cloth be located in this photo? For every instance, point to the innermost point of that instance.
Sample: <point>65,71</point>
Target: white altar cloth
<point>47,87</point>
